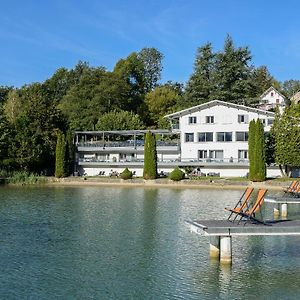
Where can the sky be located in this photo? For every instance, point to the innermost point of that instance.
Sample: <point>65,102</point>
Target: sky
<point>38,37</point>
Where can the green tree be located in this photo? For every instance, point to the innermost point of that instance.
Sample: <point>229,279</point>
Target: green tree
<point>161,101</point>
<point>286,133</point>
<point>4,90</point>
<point>290,87</point>
<point>151,60</point>
<point>150,157</point>
<point>261,80</point>
<point>60,155</point>
<point>33,145</point>
<point>201,83</point>
<point>257,157</point>
<point>252,149</point>
<point>119,120</point>
<point>13,106</point>
<point>232,79</point>
<point>97,93</point>
<point>5,138</point>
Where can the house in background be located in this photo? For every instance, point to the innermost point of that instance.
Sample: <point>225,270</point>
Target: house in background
<point>271,99</point>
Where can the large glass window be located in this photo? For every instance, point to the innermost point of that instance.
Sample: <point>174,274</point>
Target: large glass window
<point>192,120</point>
<point>210,119</point>
<point>224,136</point>
<point>189,137</point>
<point>241,136</point>
<point>205,137</point>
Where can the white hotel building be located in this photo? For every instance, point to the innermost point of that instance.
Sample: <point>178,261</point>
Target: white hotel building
<point>213,138</point>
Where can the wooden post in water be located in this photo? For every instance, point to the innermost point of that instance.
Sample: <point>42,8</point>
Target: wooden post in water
<point>226,249</point>
<point>214,247</point>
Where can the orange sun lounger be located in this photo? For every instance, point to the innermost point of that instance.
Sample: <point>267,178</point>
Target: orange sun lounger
<point>249,213</point>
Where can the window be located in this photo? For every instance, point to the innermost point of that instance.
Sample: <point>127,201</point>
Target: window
<point>210,119</point>
<point>241,136</point>
<point>277,101</point>
<point>270,121</point>
<point>272,94</point>
<point>205,137</point>
<point>189,137</point>
<point>192,120</point>
<point>243,119</point>
<point>243,155</point>
<point>216,154</point>
<point>202,154</point>
<point>224,136</point>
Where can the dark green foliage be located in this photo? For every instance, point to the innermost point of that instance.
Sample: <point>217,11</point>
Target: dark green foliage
<point>150,157</point>
<point>176,174</point>
<point>201,83</point>
<point>257,156</point>
<point>286,132</point>
<point>60,161</point>
<point>251,148</point>
<point>119,120</point>
<point>126,174</point>
<point>70,152</point>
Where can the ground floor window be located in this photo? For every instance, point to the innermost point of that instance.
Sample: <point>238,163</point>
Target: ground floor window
<point>202,154</point>
<point>216,154</point>
<point>243,155</point>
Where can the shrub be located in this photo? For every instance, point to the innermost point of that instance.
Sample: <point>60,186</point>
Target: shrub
<point>126,174</point>
<point>176,174</point>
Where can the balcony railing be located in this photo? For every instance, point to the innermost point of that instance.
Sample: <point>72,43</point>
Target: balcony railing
<point>129,144</point>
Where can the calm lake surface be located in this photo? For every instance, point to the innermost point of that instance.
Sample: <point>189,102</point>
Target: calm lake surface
<point>132,243</point>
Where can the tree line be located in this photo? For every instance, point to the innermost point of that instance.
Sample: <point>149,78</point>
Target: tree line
<point>130,96</point>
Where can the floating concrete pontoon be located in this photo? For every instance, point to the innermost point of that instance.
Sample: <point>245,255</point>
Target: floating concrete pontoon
<point>222,231</point>
<point>284,201</point>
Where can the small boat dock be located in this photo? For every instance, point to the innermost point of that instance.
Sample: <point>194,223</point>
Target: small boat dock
<point>222,231</point>
<point>283,201</point>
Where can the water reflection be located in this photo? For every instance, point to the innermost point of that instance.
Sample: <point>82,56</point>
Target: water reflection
<point>107,243</point>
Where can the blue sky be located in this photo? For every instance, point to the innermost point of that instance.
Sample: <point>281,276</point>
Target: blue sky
<point>38,37</point>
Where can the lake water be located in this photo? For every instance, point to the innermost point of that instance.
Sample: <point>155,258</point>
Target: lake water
<point>132,243</point>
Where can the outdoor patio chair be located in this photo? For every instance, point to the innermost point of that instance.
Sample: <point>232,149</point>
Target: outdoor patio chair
<point>250,213</point>
<point>242,205</point>
<point>296,191</point>
<point>293,187</point>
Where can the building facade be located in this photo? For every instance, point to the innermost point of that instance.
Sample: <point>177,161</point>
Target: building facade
<point>212,138</point>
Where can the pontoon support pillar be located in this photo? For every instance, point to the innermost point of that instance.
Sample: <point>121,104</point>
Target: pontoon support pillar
<point>284,210</point>
<point>226,249</point>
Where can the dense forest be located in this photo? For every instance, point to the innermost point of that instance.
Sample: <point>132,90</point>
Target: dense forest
<point>131,96</point>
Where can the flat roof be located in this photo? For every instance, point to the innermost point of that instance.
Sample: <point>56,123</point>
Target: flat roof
<point>125,132</point>
<point>244,228</point>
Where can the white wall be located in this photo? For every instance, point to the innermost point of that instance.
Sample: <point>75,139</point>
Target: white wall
<point>225,120</point>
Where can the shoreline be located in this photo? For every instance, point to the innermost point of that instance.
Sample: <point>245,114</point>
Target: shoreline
<point>166,183</point>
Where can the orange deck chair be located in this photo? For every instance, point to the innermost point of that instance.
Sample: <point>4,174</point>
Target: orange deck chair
<point>242,204</point>
<point>250,214</point>
<point>293,186</point>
